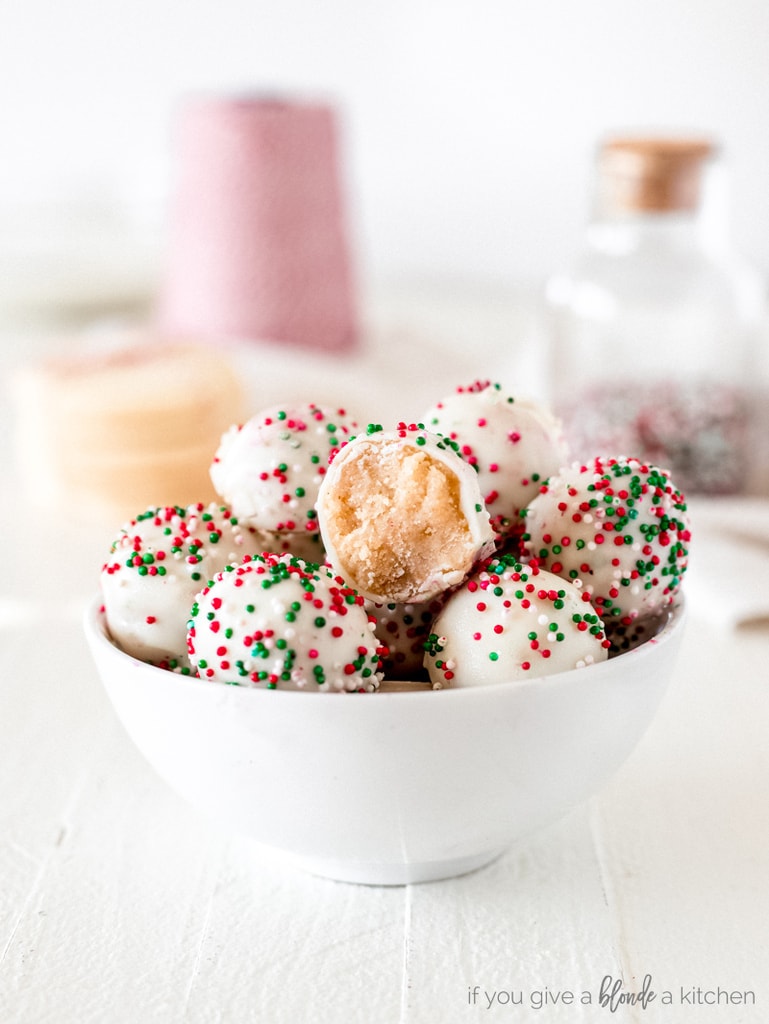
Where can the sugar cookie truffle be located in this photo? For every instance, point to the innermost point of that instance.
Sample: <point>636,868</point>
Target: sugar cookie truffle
<point>510,621</point>
<point>268,470</point>
<point>617,527</point>
<point>156,566</point>
<point>307,545</point>
<point>401,514</point>
<point>514,444</point>
<point>404,629</point>
<point>277,622</point>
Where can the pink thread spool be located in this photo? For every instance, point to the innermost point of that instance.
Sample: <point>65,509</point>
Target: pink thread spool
<point>257,238</point>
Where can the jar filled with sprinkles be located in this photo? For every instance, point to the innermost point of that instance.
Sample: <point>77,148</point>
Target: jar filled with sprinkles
<point>654,326</point>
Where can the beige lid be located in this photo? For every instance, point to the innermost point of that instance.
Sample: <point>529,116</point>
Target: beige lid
<point>653,173</point>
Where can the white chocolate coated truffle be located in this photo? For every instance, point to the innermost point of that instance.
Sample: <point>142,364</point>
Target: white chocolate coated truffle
<point>510,621</point>
<point>401,515</point>
<point>307,545</point>
<point>618,528</point>
<point>404,628</point>
<point>269,469</point>
<point>156,566</point>
<point>275,621</point>
<point>514,444</point>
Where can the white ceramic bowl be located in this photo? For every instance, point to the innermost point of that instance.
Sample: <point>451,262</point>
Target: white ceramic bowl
<point>389,788</point>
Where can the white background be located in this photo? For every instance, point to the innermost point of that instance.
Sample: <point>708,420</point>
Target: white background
<point>469,125</point>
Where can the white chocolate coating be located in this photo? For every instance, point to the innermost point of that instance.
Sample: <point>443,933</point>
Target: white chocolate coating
<point>510,621</point>
<point>514,444</point>
<point>156,566</point>
<point>269,469</point>
<point>618,528</point>
<point>401,515</point>
<point>277,622</point>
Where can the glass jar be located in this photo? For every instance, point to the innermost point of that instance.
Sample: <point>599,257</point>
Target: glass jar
<point>653,327</point>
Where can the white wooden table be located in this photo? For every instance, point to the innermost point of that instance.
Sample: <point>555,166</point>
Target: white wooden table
<point>118,905</point>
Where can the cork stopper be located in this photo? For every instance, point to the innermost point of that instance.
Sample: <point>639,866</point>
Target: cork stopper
<point>649,174</point>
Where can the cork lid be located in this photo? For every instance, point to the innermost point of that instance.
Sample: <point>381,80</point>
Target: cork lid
<point>649,174</point>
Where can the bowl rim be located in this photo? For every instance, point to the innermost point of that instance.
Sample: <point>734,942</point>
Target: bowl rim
<point>95,627</point>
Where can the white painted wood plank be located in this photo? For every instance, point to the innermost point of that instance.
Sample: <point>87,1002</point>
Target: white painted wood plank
<point>684,834</point>
<point>100,866</point>
<point>143,914</point>
<point>283,946</point>
<point>48,742</point>
<point>527,930</point>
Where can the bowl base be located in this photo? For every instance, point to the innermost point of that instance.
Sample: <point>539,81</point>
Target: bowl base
<point>374,873</point>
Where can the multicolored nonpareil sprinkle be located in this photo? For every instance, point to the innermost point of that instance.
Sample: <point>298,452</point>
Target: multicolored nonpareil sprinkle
<point>278,622</point>
<point>510,621</point>
<point>698,428</point>
<point>616,527</point>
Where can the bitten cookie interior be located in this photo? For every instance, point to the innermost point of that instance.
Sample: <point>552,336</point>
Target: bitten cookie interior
<point>396,518</point>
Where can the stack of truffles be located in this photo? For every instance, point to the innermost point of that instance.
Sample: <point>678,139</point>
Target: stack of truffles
<point>456,550</point>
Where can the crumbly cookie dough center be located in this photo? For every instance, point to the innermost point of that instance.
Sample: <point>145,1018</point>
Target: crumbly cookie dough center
<point>397,519</point>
